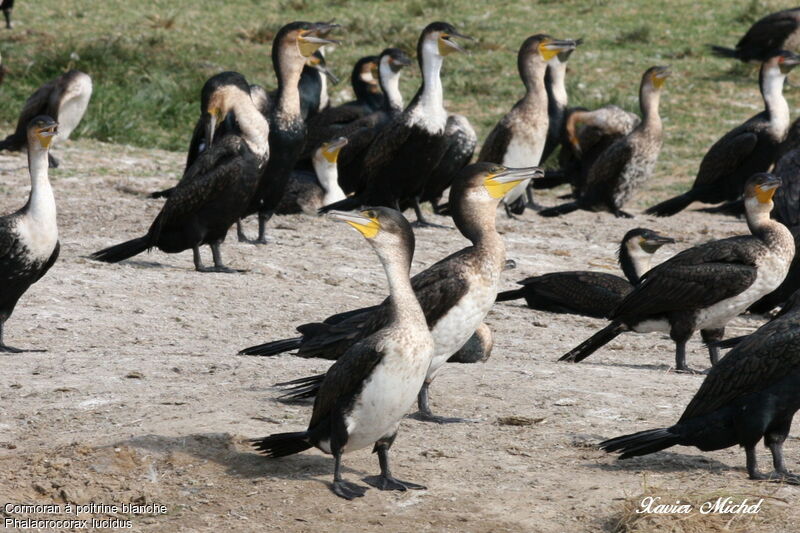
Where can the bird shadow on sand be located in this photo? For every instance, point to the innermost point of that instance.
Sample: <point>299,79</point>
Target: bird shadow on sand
<point>664,462</point>
<point>231,452</point>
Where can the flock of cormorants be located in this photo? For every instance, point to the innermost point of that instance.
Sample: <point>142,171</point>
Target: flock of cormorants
<point>365,161</point>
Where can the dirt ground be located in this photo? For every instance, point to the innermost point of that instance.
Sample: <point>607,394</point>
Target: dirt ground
<point>142,399</point>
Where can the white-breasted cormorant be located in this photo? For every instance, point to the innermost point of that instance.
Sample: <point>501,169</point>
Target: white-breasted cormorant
<point>518,139</point>
<point>591,293</point>
<point>65,99</point>
<point>752,393</point>
<point>743,151</point>
<point>706,286</point>
<point>29,237</point>
<point>456,293</point>
<point>215,190</point>
<point>367,391</point>
<point>777,31</point>
<point>306,191</point>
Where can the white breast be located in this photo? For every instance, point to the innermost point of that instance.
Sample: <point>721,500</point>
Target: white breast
<point>38,235</point>
<point>523,151</point>
<point>388,395</point>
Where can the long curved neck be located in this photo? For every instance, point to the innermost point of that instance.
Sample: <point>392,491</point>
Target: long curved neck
<point>403,303</point>
<point>762,226</point>
<point>772,91</point>
<point>288,69</point>
<point>328,177</point>
<point>649,99</point>
<point>557,98</point>
<point>390,85</point>
<point>41,203</point>
<point>532,72</point>
<point>254,127</point>
<point>431,96</point>
<point>633,261</point>
<point>477,223</point>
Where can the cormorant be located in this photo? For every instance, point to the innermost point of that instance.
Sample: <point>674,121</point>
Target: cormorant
<point>306,192</point>
<point>64,99</point>
<point>214,191</point>
<point>790,305</point>
<point>29,237</point>
<point>518,140</point>
<point>628,163</point>
<point>557,98</point>
<point>456,293</point>
<point>743,151</point>
<point>398,163</point>
<point>588,293</point>
<point>367,391</point>
<point>790,284</point>
<point>706,286</point>
<point>313,86</point>
<point>775,32</point>
<point>7,6</point>
<point>749,395</point>
<point>292,46</point>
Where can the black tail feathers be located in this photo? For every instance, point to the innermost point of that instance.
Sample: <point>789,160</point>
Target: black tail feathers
<point>727,343</point>
<point>669,207</point>
<point>300,389</point>
<point>590,345</point>
<point>348,204</point>
<point>642,443</point>
<point>273,348</point>
<point>282,444</point>
<point>120,252</point>
<point>559,210</point>
<point>161,194</point>
<point>515,294</point>
<point>722,51</point>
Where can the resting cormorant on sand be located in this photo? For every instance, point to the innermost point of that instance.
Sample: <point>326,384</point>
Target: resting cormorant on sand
<point>29,237</point>
<point>367,391</point>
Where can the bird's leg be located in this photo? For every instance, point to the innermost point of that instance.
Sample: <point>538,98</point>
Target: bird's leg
<point>711,336</point>
<point>386,481</point>
<point>532,204</point>
<point>680,357</point>
<point>7,15</point>
<point>426,415</point>
<point>10,349</point>
<point>421,222</point>
<point>219,266</point>
<point>240,232</point>
<point>619,213</point>
<point>263,218</point>
<point>344,489</point>
<point>774,440</point>
<point>51,159</point>
<point>509,214</point>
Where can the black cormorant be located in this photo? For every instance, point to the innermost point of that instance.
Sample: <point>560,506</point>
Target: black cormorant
<point>777,31</point>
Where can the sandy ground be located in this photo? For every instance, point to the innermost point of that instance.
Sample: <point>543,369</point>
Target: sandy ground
<point>140,397</point>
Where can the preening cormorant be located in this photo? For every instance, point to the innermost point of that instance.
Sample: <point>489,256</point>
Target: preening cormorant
<point>518,140</point>
<point>456,293</point>
<point>589,293</point>
<point>214,191</point>
<point>65,99</point>
<point>706,286</point>
<point>306,191</point>
<point>777,31</point>
<point>29,237</point>
<point>743,151</point>
<point>292,46</point>
<point>367,391</point>
<point>398,163</point>
<point>625,165</point>
<point>752,393</point>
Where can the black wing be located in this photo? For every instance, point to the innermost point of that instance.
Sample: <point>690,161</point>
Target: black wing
<point>496,143</point>
<point>787,197</point>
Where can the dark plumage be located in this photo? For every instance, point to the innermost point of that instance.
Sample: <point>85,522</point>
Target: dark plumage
<point>29,237</point>
<point>588,293</point>
<point>214,191</point>
<point>705,286</point>
<point>752,393</point>
<point>366,392</point>
<point>65,99</point>
<point>743,151</point>
<point>777,31</point>
<point>625,165</point>
<point>7,6</point>
<point>790,284</point>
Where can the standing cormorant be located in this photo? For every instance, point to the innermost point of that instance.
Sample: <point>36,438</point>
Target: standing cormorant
<point>629,162</point>
<point>214,191</point>
<point>743,151</point>
<point>557,99</point>
<point>292,46</point>
<point>398,163</point>
<point>29,237</point>
<point>367,391</point>
<point>588,293</point>
<point>519,138</point>
<point>752,393</point>
<point>775,32</point>
<point>456,293</point>
<point>706,286</point>
<point>65,99</point>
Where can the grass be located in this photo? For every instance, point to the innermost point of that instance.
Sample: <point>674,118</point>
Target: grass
<point>149,59</point>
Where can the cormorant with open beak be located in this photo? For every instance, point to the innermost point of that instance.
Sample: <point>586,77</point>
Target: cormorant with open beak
<point>29,237</point>
<point>589,293</point>
<point>215,190</point>
<point>64,99</point>
<point>456,293</point>
<point>629,162</point>
<point>519,138</point>
<point>292,46</point>
<point>399,162</point>
<point>752,393</point>
<point>367,391</point>
<point>749,148</point>
<point>768,35</point>
<point>706,286</point>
